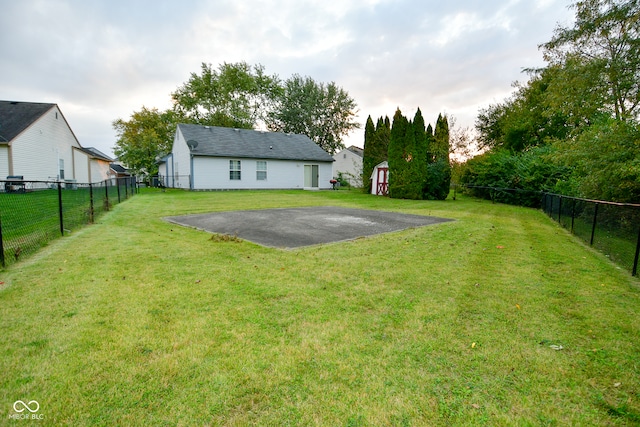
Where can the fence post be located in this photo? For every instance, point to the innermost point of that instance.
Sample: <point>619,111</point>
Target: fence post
<point>106,195</point>
<point>91,211</point>
<point>635,259</point>
<point>573,214</point>
<point>60,208</point>
<point>2,246</point>
<point>595,220</point>
<point>118,187</point>
<point>560,210</point>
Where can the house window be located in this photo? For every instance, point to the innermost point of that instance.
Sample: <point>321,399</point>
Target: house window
<point>261,170</point>
<point>344,156</point>
<point>234,170</point>
<point>61,168</point>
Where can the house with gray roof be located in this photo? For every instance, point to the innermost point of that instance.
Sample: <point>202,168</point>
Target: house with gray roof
<point>37,143</point>
<point>218,158</point>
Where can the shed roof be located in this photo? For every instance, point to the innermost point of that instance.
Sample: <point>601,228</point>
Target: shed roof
<point>15,117</point>
<point>216,141</point>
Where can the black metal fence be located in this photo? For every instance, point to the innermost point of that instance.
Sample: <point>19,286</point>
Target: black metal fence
<point>612,228</point>
<point>34,212</point>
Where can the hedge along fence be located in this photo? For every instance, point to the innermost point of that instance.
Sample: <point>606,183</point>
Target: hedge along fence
<point>32,213</point>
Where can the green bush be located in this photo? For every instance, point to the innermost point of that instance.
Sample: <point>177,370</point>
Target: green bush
<point>527,174</point>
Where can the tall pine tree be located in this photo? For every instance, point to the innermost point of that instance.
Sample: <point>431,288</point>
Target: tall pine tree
<point>419,162</point>
<point>397,162</point>
<point>368,157</point>
<point>438,179</point>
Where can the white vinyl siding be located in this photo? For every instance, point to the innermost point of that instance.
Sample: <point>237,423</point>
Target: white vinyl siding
<point>4,161</point>
<point>181,162</point>
<point>37,151</point>
<point>212,173</point>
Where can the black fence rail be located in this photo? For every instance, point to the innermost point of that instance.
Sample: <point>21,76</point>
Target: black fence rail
<point>33,213</point>
<point>613,228</point>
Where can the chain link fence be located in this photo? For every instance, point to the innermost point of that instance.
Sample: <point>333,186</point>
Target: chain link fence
<point>613,228</point>
<point>33,213</point>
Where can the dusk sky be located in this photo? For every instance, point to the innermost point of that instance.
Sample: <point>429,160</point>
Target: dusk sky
<point>103,60</point>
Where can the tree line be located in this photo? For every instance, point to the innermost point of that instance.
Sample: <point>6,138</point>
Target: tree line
<point>237,95</point>
<point>572,128</point>
<point>418,157</point>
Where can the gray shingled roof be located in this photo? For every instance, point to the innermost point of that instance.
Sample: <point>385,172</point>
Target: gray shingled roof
<point>242,143</point>
<point>92,151</point>
<point>15,117</point>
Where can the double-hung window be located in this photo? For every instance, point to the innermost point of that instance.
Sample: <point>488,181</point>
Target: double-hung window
<point>234,170</point>
<point>261,170</point>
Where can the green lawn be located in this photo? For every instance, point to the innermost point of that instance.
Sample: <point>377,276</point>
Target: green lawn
<point>135,321</point>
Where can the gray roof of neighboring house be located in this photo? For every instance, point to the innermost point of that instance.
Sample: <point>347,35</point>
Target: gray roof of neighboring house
<point>242,143</point>
<point>118,168</point>
<point>96,153</point>
<point>15,117</point>
<point>356,150</point>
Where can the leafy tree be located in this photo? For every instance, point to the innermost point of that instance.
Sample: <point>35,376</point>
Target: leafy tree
<point>604,161</point>
<point>601,53</point>
<point>323,112</point>
<point>234,95</point>
<point>147,135</point>
<point>526,119</point>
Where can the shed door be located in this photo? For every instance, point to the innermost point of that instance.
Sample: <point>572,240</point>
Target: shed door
<point>383,182</point>
<point>311,176</point>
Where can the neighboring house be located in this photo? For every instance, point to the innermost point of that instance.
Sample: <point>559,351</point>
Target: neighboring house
<point>37,143</point>
<point>348,162</point>
<point>91,165</point>
<point>116,170</point>
<point>380,179</point>
<point>166,177</point>
<point>218,158</point>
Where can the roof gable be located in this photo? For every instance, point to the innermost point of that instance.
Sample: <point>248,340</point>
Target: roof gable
<point>15,117</point>
<point>216,141</point>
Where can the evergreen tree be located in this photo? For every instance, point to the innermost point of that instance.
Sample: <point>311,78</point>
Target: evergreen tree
<point>382,136</point>
<point>438,179</point>
<point>368,156</point>
<point>419,163</point>
<point>429,144</point>
<point>441,139</point>
<point>396,156</point>
<point>413,181</point>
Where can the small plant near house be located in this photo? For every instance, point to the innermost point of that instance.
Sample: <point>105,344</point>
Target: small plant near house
<point>343,179</point>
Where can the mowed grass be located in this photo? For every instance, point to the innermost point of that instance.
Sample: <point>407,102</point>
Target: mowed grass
<point>136,321</point>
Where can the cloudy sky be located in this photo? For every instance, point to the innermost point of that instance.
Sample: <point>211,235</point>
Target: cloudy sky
<point>100,60</point>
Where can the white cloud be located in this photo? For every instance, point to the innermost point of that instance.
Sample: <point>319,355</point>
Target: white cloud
<point>102,60</point>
